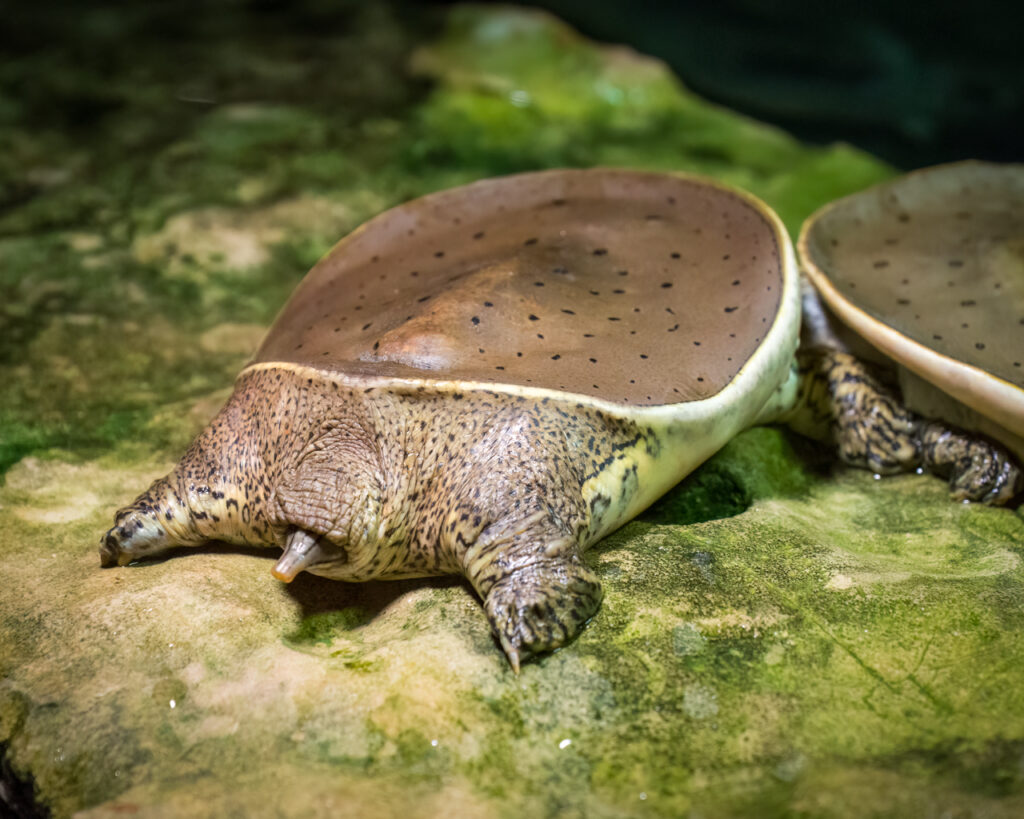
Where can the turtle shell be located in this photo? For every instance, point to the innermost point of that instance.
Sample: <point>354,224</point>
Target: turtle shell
<point>628,288</point>
<point>929,268</point>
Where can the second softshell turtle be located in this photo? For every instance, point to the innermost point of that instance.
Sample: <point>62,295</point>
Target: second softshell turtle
<point>929,269</point>
<point>487,380</point>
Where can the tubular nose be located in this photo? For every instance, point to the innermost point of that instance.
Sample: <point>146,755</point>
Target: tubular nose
<point>300,552</point>
<point>110,548</point>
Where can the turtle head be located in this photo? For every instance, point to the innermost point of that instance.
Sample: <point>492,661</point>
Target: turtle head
<point>157,520</point>
<point>218,491</point>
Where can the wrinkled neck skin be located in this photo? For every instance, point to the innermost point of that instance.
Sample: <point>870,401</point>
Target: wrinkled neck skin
<point>223,487</point>
<point>226,479</point>
<point>283,449</point>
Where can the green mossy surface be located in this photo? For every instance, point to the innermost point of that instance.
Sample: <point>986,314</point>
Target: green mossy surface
<point>779,636</point>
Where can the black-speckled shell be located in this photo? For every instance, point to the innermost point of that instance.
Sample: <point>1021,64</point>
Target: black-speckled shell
<point>930,269</point>
<point>631,287</point>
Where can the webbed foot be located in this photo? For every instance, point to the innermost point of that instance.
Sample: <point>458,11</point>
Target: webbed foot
<point>978,470</point>
<point>842,402</point>
<point>542,606</point>
<point>537,591</point>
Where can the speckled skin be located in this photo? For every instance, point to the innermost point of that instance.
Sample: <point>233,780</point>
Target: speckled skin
<point>387,483</point>
<point>401,484</point>
<point>842,402</point>
<point>977,469</point>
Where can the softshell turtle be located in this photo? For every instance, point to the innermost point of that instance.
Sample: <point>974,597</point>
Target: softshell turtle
<point>929,269</point>
<point>487,380</point>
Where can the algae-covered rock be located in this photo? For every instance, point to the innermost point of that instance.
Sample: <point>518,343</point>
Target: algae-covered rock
<point>779,636</point>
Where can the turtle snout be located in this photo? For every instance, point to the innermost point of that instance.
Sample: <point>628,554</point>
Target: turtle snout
<point>134,535</point>
<point>118,546</point>
<point>110,548</point>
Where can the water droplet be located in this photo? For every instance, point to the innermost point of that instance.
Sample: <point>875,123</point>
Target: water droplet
<point>519,98</point>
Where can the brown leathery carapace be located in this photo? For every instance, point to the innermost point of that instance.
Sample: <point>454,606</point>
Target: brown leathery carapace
<point>929,269</point>
<point>487,380</point>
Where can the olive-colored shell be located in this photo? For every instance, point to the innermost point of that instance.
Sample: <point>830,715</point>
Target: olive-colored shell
<point>629,287</point>
<point>929,268</point>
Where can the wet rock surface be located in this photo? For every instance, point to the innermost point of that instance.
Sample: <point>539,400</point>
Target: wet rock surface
<point>779,636</point>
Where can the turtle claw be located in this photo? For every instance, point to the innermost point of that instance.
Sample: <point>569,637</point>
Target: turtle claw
<point>510,652</point>
<point>539,608</point>
<point>977,469</point>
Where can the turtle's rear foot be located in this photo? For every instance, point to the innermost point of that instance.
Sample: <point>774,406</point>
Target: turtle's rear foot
<point>977,469</point>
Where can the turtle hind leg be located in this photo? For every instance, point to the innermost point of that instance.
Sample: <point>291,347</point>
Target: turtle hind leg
<point>537,591</point>
<point>842,402</point>
<point>977,469</point>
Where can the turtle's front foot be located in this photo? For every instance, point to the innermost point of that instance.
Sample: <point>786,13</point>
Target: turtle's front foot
<point>542,606</point>
<point>842,402</point>
<point>872,429</point>
<point>977,469</point>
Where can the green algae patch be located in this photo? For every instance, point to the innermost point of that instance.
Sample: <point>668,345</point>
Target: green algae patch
<point>708,494</point>
<point>195,244</point>
<point>321,628</point>
<point>761,462</point>
<point>767,659</point>
<point>518,89</point>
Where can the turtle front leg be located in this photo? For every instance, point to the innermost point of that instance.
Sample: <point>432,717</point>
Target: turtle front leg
<point>537,591</point>
<point>841,402</point>
<point>977,469</point>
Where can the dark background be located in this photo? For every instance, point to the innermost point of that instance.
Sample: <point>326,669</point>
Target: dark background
<point>915,83</point>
